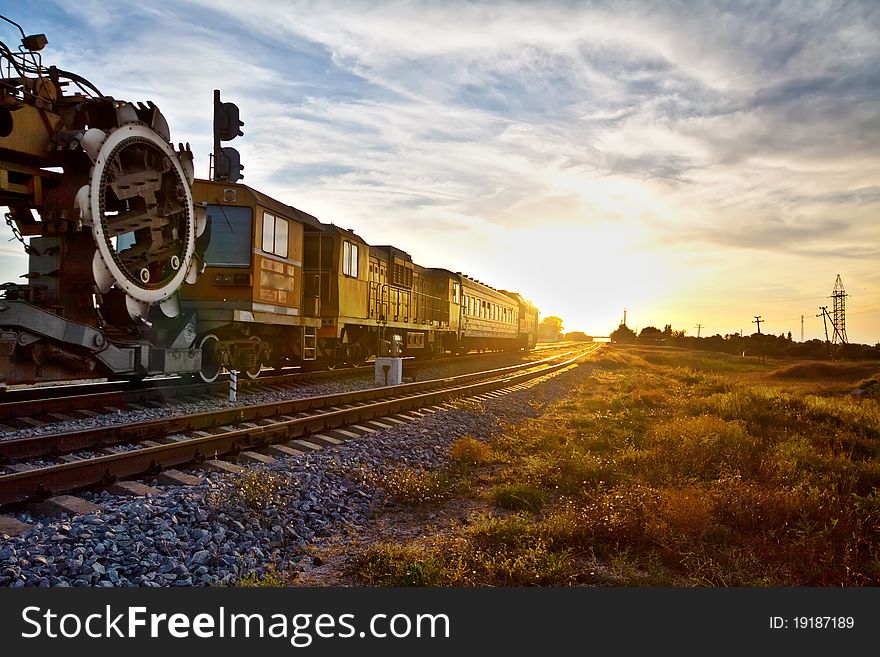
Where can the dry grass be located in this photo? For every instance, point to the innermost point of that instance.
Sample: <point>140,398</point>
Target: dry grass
<point>255,489</point>
<point>416,486</point>
<point>670,469</point>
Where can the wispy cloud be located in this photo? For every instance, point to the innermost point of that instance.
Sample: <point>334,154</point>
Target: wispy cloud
<point>719,128</point>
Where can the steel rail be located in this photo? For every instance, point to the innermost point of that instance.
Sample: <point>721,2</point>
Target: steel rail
<point>18,449</point>
<point>39,483</point>
<point>42,401</point>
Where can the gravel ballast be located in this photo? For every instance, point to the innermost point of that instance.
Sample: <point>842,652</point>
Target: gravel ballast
<point>210,535</point>
<point>362,379</point>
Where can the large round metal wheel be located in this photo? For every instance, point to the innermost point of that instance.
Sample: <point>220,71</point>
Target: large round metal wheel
<point>252,370</point>
<point>139,205</point>
<point>212,361</point>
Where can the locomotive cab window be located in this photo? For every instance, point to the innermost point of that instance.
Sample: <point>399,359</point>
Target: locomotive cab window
<point>349,258</point>
<point>231,228</point>
<point>274,235</point>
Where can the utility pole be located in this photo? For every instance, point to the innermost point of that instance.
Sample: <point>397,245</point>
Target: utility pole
<point>802,328</point>
<point>758,321</point>
<point>825,317</point>
<point>624,317</point>
<point>698,327</point>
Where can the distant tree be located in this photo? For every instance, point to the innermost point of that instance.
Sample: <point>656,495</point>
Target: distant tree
<point>578,336</point>
<point>667,330</point>
<point>651,333</point>
<point>550,329</point>
<point>623,334</point>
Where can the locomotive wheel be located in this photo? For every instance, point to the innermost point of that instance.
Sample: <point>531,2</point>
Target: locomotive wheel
<point>254,370</point>
<point>211,359</point>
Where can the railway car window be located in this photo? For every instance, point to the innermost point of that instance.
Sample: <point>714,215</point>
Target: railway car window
<point>455,291</point>
<point>349,258</point>
<point>231,230</point>
<point>281,237</point>
<point>275,235</point>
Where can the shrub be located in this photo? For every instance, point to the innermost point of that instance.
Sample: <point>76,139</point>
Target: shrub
<point>469,452</point>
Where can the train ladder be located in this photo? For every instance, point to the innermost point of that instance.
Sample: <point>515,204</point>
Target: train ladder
<point>310,343</point>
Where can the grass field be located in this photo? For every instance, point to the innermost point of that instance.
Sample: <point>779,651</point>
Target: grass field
<point>661,468</point>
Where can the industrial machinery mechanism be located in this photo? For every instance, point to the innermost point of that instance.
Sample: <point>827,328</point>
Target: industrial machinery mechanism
<point>101,203</point>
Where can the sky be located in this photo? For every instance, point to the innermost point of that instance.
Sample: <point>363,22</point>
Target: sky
<point>695,163</point>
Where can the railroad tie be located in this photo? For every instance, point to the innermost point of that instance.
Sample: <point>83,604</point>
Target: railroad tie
<point>305,445</point>
<point>391,421</point>
<point>10,526</point>
<point>62,504</point>
<point>361,429</point>
<point>29,422</point>
<point>344,434</point>
<point>60,417</point>
<point>327,439</point>
<point>221,466</point>
<point>132,489</point>
<point>254,457</point>
<point>178,478</point>
<point>283,450</point>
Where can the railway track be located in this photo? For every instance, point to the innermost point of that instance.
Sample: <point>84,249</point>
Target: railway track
<point>28,408</point>
<point>33,407</point>
<point>104,455</point>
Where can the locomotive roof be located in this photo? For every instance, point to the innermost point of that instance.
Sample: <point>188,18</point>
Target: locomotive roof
<point>390,248</point>
<point>282,208</point>
<point>333,228</point>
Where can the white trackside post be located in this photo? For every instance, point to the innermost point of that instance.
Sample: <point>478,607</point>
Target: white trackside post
<point>233,385</point>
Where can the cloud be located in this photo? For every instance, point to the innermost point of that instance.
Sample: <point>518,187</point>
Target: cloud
<point>725,128</point>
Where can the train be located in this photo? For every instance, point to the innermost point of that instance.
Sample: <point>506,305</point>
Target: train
<point>138,268</point>
<point>282,288</point>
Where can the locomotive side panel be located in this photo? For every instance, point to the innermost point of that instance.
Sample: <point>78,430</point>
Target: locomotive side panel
<point>250,300</point>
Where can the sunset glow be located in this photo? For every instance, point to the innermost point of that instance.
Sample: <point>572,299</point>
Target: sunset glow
<point>690,163</point>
